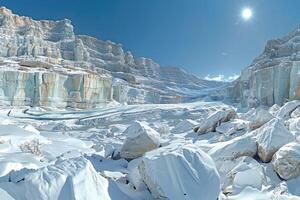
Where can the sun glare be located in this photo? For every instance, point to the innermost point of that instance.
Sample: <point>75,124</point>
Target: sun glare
<point>246,13</point>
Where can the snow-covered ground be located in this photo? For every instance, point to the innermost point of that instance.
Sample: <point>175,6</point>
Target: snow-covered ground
<point>189,151</point>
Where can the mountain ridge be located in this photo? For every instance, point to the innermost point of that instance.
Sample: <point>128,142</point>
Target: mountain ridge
<point>54,42</point>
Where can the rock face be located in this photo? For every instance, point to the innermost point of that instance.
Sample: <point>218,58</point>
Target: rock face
<point>180,172</point>
<point>138,80</point>
<point>273,77</point>
<point>286,161</point>
<point>140,138</point>
<point>24,86</point>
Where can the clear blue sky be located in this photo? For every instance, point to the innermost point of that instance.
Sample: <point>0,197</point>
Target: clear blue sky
<point>201,36</point>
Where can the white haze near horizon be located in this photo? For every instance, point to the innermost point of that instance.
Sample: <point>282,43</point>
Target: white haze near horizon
<point>221,78</point>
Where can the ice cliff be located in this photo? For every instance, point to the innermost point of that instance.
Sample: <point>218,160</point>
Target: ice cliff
<point>273,77</point>
<point>55,67</point>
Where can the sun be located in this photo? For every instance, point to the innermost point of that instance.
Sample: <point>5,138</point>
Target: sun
<point>246,13</point>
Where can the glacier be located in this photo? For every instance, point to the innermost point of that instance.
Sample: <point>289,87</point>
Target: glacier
<point>83,119</point>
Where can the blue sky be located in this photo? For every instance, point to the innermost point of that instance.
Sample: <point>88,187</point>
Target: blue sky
<point>201,36</point>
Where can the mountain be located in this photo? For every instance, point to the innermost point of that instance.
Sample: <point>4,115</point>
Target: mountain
<point>45,64</point>
<point>273,77</point>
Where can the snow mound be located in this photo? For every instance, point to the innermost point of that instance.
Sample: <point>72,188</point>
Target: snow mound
<point>286,161</point>
<point>180,172</point>
<point>271,137</point>
<point>66,179</point>
<point>16,135</point>
<point>140,139</point>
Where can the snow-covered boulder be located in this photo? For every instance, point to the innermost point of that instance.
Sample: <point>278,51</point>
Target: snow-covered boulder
<point>232,149</point>
<point>140,138</point>
<point>180,172</point>
<point>73,179</point>
<point>229,128</point>
<point>286,161</point>
<point>184,126</point>
<point>247,172</point>
<point>257,117</point>
<point>285,111</point>
<point>213,120</point>
<point>271,137</point>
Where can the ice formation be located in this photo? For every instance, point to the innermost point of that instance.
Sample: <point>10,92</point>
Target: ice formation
<point>82,119</point>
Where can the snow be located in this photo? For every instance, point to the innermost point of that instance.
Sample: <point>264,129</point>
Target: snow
<point>86,141</point>
<point>256,117</point>
<point>180,172</point>
<point>271,137</point>
<point>184,126</point>
<point>39,140</point>
<point>247,178</point>
<point>66,179</point>
<point>232,149</point>
<point>292,186</point>
<point>246,172</point>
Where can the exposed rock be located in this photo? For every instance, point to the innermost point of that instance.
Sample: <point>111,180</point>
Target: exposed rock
<point>273,77</point>
<point>286,161</point>
<point>53,44</point>
<point>140,138</point>
<point>180,172</point>
<point>271,137</point>
<point>213,120</point>
<point>52,88</point>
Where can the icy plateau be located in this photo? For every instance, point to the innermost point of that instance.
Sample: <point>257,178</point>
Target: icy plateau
<point>82,119</point>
